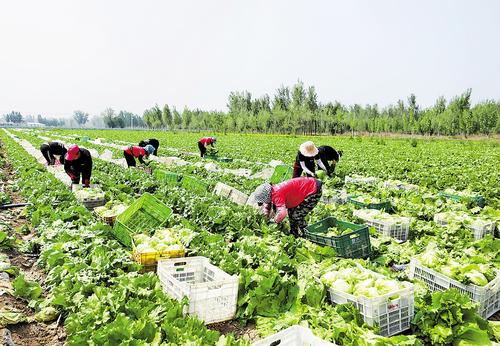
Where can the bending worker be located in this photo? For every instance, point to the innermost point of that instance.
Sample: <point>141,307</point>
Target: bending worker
<point>52,151</point>
<point>133,152</point>
<point>152,141</point>
<point>204,142</point>
<point>305,160</point>
<point>326,155</point>
<point>78,163</point>
<point>295,197</point>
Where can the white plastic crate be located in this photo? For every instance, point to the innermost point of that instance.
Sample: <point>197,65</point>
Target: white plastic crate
<point>293,336</point>
<point>397,228</point>
<point>212,293</point>
<point>393,316</point>
<point>480,228</point>
<point>238,197</point>
<point>357,179</point>
<point>339,197</point>
<point>487,296</point>
<point>400,185</point>
<point>222,190</point>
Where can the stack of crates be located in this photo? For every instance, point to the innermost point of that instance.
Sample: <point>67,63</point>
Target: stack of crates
<point>355,243</point>
<point>145,214</point>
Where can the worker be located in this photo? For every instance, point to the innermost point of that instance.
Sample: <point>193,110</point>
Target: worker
<point>326,154</point>
<point>133,152</point>
<point>204,142</point>
<point>305,160</point>
<point>152,141</point>
<point>295,197</point>
<point>78,163</point>
<point>53,151</point>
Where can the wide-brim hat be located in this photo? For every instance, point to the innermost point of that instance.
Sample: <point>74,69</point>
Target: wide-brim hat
<point>308,149</point>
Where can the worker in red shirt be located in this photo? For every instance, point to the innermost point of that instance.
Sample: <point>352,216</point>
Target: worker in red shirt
<point>295,197</point>
<point>133,152</point>
<point>204,142</point>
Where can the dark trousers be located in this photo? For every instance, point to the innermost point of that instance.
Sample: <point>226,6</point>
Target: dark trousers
<point>130,159</point>
<point>297,169</point>
<point>45,149</point>
<point>202,148</point>
<point>297,215</point>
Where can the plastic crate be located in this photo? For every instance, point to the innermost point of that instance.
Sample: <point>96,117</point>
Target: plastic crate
<point>359,180</point>
<point>487,296</point>
<point>339,197</point>
<point>355,244</point>
<point>212,293</point>
<point>168,178</point>
<point>400,185</point>
<point>222,190</point>
<point>89,203</point>
<point>293,336</point>
<point>473,198</point>
<point>391,228</point>
<point>145,214</point>
<point>379,206</point>
<point>281,173</point>
<point>152,258</point>
<point>479,229</point>
<point>194,184</point>
<point>393,316</point>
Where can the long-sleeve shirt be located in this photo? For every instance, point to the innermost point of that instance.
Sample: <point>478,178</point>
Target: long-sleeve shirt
<point>290,194</point>
<point>326,154</point>
<point>137,152</point>
<point>81,165</point>
<point>206,141</point>
<point>57,148</point>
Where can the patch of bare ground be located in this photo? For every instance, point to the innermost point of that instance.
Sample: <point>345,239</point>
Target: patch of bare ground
<point>239,331</point>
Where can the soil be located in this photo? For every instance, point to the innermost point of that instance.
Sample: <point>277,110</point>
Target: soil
<point>29,333</point>
<point>247,332</point>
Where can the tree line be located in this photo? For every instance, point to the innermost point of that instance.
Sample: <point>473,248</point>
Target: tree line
<point>296,110</point>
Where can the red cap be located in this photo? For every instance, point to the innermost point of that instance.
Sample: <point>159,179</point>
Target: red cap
<point>73,151</point>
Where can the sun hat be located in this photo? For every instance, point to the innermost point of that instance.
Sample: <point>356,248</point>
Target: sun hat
<point>308,149</point>
<point>72,153</point>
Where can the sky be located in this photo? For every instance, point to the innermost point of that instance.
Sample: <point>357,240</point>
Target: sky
<point>57,56</point>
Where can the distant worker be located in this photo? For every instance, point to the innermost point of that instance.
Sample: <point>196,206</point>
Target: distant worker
<point>305,160</point>
<point>295,197</point>
<point>152,141</point>
<point>204,142</point>
<point>53,151</point>
<point>133,152</point>
<point>328,154</point>
<point>78,163</point>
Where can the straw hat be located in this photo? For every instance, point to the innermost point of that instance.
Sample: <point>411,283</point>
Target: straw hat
<point>308,149</point>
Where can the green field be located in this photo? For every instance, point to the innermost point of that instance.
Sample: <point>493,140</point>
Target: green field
<point>92,281</point>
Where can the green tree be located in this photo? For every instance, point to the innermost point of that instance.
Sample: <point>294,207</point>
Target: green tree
<point>166,117</point>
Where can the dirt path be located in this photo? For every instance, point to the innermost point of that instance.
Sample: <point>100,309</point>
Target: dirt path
<point>27,333</point>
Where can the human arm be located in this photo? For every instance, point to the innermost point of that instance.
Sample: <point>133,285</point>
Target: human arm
<point>305,169</point>
<point>281,213</point>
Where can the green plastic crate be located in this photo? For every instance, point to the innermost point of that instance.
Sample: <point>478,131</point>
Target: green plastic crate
<point>355,244</point>
<point>169,178</point>
<point>478,199</point>
<point>387,206</point>
<point>194,184</point>
<point>84,139</point>
<point>281,173</point>
<point>145,214</point>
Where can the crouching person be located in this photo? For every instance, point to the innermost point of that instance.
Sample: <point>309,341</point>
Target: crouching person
<point>295,198</point>
<point>78,164</point>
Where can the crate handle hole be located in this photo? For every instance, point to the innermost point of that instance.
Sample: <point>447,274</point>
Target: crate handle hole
<point>275,343</point>
<point>180,264</point>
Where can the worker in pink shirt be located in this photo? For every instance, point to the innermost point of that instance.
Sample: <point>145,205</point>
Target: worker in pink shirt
<point>204,142</point>
<point>295,198</point>
<point>133,152</point>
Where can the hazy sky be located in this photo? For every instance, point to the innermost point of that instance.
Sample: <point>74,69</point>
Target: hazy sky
<point>57,56</point>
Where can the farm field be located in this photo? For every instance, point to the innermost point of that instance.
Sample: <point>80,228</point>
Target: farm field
<point>67,279</point>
